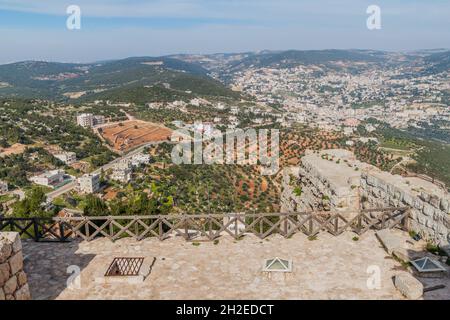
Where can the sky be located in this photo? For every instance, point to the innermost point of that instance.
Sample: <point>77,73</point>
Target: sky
<point>111,29</point>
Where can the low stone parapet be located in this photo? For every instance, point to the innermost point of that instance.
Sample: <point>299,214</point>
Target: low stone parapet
<point>13,280</point>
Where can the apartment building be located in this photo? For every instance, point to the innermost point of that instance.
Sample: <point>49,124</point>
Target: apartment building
<point>89,183</point>
<point>67,157</point>
<point>139,159</point>
<point>122,172</point>
<point>88,120</point>
<point>49,178</point>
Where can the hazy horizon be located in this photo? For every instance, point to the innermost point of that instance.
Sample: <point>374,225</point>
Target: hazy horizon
<point>113,29</point>
<point>217,53</point>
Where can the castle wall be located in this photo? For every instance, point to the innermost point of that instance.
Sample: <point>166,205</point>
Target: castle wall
<point>430,211</point>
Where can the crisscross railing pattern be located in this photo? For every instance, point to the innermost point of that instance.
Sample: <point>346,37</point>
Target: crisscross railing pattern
<point>207,226</point>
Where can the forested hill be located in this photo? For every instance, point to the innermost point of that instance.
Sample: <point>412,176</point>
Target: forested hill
<point>50,80</point>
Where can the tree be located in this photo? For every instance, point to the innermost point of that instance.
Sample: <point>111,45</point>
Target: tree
<point>32,205</point>
<point>95,207</point>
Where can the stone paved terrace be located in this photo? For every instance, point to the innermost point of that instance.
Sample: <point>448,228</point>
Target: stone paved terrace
<point>327,268</point>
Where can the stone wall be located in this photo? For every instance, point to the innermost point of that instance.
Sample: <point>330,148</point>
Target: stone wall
<point>13,280</point>
<point>430,211</point>
<point>348,184</point>
<point>288,200</point>
<point>328,179</point>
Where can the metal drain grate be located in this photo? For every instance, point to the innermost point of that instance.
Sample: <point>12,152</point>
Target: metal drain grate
<point>124,267</point>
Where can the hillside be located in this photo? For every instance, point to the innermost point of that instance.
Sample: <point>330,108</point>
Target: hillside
<point>71,81</point>
<point>437,63</point>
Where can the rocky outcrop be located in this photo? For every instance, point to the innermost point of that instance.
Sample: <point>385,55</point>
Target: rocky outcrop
<point>13,280</point>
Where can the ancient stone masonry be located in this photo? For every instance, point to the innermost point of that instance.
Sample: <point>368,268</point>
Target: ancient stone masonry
<point>430,212</point>
<point>328,179</point>
<point>13,280</point>
<point>288,199</point>
<point>335,180</point>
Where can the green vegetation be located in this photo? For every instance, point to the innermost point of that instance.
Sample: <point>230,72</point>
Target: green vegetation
<point>366,105</point>
<point>398,144</point>
<point>298,191</point>
<point>432,157</point>
<point>39,125</point>
<point>32,205</point>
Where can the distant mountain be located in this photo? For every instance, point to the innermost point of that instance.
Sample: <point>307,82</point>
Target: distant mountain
<point>66,80</point>
<point>293,58</point>
<point>437,63</point>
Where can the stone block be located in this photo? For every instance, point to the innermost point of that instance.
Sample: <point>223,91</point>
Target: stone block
<point>418,204</point>
<point>446,221</point>
<point>424,196</point>
<point>389,240</point>
<point>401,253</point>
<point>4,273</point>
<point>13,238</point>
<point>408,199</point>
<point>21,278</point>
<point>10,285</point>
<point>409,286</point>
<point>444,205</point>
<point>16,262</point>
<point>5,251</point>
<point>2,294</point>
<point>372,181</point>
<point>428,210</point>
<point>23,293</point>
<point>435,201</point>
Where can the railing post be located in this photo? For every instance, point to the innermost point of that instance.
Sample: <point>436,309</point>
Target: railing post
<point>36,229</point>
<point>62,236</point>
<point>406,220</point>
<point>236,226</point>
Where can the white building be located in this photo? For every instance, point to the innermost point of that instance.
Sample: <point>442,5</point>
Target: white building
<point>122,175</point>
<point>3,187</point>
<point>89,183</point>
<point>49,178</point>
<point>122,171</point>
<point>139,159</point>
<point>67,157</point>
<point>98,120</point>
<point>86,120</point>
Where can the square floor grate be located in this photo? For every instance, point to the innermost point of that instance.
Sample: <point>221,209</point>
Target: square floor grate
<point>124,267</point>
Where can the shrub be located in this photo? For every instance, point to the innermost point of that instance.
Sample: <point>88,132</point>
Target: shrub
<point>431,247</point>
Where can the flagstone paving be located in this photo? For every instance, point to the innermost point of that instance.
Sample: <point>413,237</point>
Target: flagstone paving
<point>327,268</point>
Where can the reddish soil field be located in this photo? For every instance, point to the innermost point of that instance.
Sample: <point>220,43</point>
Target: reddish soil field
<point>131,134</point>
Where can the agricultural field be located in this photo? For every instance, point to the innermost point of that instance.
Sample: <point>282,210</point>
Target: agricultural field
<point>127,135</point>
